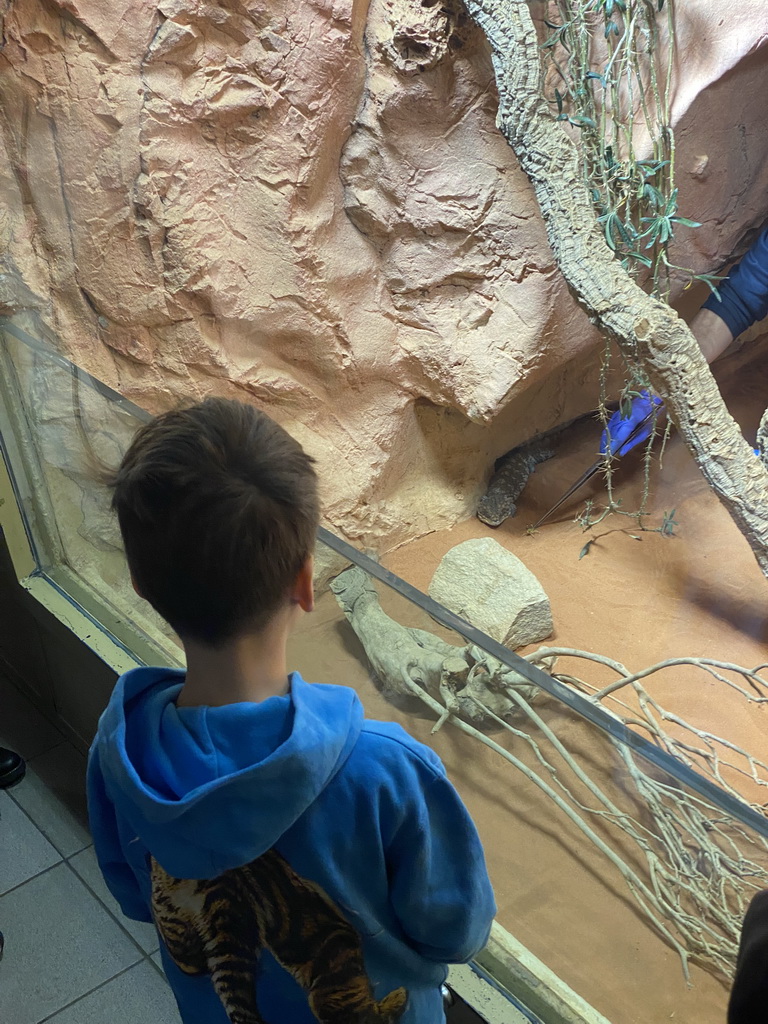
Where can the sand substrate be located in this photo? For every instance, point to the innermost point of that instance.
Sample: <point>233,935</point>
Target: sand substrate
<point>699,593</point>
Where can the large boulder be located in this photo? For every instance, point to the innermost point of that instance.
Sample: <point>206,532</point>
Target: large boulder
<point>491,588</point>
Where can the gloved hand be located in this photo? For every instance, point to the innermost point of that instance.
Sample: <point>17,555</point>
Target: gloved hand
<point>621,427</point>
<point>742,297</point>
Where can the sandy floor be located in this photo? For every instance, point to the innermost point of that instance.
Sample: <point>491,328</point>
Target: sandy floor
<point>699,593</point>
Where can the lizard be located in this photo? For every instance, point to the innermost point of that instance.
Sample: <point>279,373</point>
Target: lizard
<point>511,474</point>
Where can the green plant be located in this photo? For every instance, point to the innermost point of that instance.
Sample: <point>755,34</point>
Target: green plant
<point>667,528</point>
<point>614,85</point>
<point>612,61</point>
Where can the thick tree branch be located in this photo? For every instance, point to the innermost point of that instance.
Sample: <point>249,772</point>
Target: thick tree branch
<point>648,331</point>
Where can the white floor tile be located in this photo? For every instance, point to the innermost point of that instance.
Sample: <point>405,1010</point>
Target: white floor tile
<point>60,943</point>
<point>140,996</point>
<point>87,867</point>
<point>24,851</point>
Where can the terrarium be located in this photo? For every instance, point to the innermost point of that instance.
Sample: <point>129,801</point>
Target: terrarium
<point>441,245</point>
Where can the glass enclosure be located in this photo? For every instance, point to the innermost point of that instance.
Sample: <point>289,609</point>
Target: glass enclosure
<point>621,809</point>
<point>62,430</point>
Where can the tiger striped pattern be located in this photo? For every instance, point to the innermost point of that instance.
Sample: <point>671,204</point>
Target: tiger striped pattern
<point>220,926</point>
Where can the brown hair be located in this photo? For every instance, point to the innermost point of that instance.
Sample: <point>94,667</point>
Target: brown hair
<point>218,509</point>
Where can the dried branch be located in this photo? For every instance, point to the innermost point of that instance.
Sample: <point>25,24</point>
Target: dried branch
<point>648,332</point>
<point>700,866</point>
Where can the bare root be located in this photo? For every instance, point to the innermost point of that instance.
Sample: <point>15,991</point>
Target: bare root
<point>690,867</point>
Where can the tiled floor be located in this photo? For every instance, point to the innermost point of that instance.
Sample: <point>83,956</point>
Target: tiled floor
<point>70,955</point>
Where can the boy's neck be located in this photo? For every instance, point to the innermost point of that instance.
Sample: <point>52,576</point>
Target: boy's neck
<point>250,668</point>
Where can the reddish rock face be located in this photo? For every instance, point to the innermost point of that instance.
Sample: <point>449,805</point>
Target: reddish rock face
<point>307,204</point>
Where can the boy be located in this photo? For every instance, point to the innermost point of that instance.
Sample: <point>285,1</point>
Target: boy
<point>300,863</point>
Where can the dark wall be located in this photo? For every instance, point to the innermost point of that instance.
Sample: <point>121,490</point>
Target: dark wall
<point>45,660</point>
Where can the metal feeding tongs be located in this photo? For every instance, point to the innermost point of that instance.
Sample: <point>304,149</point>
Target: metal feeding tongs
<point>636,431</point>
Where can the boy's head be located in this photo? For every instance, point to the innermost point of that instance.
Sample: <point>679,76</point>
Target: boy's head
<point>218,509</point>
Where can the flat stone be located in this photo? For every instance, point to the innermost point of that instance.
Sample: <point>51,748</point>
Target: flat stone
<point>491,588</point>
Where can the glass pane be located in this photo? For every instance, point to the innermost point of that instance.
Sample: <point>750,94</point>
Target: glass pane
<point>608,866</point>
<point>623,826</point>
<point>67,429</point>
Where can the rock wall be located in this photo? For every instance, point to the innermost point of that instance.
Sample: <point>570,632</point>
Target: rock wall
<point>307,204</point>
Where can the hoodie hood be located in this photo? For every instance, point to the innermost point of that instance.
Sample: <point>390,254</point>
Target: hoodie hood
<point>210,788</point>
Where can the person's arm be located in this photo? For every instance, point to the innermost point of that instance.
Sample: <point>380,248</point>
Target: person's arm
<point>439,885</point>
<point>118,874</point>
<point>741,299</point>
<point>711,332</point>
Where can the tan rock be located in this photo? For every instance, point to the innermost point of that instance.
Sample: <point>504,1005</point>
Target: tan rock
<point>492,589</point>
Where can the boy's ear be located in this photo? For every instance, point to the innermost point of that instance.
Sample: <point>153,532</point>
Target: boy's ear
<point>304,588</point>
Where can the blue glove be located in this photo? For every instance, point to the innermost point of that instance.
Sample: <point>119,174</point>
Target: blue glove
<point>621,427</point>
<point>743,295</point>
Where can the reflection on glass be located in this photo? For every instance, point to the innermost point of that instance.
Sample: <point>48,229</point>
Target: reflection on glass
<point>68,429</point>
<point>627,882</point>
<point>624,841</point>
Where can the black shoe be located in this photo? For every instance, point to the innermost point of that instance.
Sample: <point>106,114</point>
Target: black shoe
<point>12,768</point>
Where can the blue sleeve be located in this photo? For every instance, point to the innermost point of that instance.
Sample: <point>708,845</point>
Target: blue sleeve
<point>439,885</point>
<point>742,297</point>
<point>118,874</point>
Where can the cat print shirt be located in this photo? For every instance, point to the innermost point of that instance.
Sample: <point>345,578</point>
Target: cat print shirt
<point>300,863</point>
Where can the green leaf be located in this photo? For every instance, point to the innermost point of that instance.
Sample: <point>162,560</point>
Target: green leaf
<point>640,258</point>
<point>559,101</point>
<point>652,232</point>
<point>688,223</point>
<point>709,280</point>
<point>650,168</point>
<point>624,232</point>
<point>580,121</point>
<point>668,524</point>
<point>585,549</point>
<point>608,231</point>
<point>671,206</point>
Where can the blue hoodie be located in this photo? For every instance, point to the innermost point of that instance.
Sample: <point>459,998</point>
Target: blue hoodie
<point>742,298</point>
<point>297,856</point>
